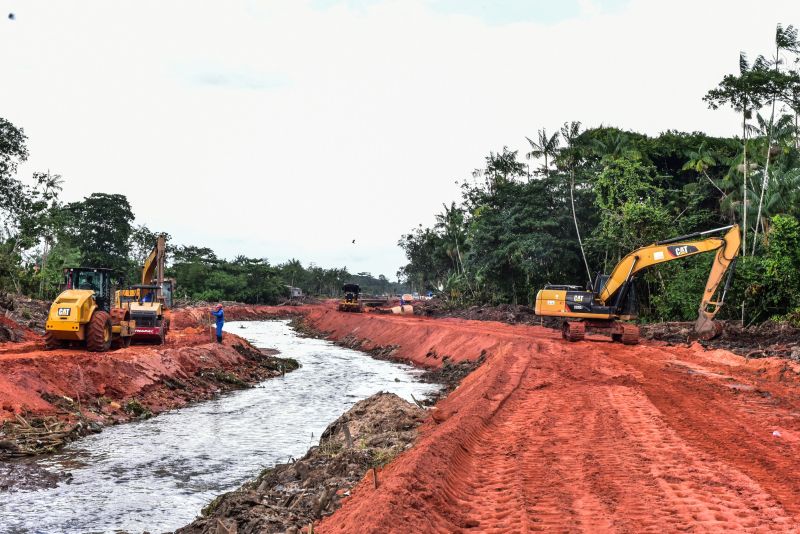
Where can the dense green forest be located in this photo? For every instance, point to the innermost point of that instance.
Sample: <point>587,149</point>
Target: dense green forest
<point>40,235</point>
<point>582,198</point>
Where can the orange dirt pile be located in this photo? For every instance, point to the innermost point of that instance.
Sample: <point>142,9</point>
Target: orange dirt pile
<point>11,331</point>
<point>553,436</point>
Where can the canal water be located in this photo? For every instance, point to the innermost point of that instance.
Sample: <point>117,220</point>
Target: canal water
<point>156,475</point>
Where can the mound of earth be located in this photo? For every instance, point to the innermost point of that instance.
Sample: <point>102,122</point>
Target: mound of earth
<point>29,315</point>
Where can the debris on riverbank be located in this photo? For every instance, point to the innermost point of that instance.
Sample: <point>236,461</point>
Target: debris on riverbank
<point>289,497</point>
<point>21,318</point>
<point>779,339</point>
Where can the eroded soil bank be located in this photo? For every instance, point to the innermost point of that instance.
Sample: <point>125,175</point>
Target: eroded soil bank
<point>48,398</point>
<point>289,497</point>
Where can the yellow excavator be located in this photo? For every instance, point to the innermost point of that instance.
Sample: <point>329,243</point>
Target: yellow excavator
<point>83,314</point>
<point>611,301</point>
<point>149,301</point>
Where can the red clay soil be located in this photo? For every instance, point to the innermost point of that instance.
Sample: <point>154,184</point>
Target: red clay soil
<point>589,436</point>
<point>69,382</point>
<point>11,331</point>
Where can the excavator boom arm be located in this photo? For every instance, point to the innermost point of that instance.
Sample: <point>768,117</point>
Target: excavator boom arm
<point>153,270</point>
<point>727,248</point>
<point>724,260</point>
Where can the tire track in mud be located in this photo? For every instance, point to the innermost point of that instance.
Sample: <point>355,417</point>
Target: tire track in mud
<point>733,428</point>
<point>595,456</point>
<point>586,437</point>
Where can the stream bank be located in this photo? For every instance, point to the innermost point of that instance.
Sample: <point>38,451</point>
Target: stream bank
<point>291,496</point>
<point>51,398</point>
<point>157,474</point>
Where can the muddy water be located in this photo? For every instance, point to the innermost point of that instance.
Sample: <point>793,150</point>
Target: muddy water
<point>156,475</point>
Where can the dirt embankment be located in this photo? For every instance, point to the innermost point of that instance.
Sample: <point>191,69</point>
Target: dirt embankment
<point>767,339</point>
<point>50,397</point>
<point>593,436</point>
<point>289,497</point>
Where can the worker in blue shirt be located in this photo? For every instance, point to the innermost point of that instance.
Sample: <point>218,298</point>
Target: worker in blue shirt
<point>220,315</point>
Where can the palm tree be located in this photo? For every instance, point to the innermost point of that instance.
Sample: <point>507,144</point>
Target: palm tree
<point>785,39</point>
<point>547,147</point>
<point>700,161</point>
<point>743,94</point>
<point>775,134</point>
<point>451,223</point>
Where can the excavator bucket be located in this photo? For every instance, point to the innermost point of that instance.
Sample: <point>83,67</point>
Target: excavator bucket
<point>706,328</point>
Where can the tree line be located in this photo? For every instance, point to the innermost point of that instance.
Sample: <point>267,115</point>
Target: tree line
<point>593,195</point>
<point>40,235</point>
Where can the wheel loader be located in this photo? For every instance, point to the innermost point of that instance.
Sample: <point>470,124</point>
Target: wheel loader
<point>610,302</point>
<point>84,315</point>
<point>351,302</point>
<point>149,302</point>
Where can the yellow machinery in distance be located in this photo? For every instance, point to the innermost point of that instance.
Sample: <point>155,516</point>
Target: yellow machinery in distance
<point>610,303</point>
<point>351,301</point>
<point>83,314</point>
<point>149,301</point>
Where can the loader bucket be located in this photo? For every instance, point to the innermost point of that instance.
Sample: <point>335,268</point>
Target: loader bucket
<point>706,328</point>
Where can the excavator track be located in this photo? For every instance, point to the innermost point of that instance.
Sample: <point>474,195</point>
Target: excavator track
<point>573,330</point>
<point>630,334</point>
<point>625,333</point>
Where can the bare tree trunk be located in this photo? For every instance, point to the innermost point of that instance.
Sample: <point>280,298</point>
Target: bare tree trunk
<point>744,190</point>
<point>575,220</point>
<point>765,179</point>
<point>45,252</point>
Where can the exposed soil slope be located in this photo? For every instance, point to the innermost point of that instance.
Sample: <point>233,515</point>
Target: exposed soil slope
<point>48,397</point>
<point>592,436</point>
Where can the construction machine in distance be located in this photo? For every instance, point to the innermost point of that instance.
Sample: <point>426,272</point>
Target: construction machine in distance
<point>351,301</point>
<point>83,313</point>
<point>149,301</point>
<point>611,301</point>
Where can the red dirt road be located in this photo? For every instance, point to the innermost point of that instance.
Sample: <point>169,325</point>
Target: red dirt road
<point>591,436</point>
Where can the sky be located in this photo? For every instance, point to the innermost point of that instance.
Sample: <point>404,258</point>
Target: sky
<point>289,128</point>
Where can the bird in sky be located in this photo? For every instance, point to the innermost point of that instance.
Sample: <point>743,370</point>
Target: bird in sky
<point>354,241</point>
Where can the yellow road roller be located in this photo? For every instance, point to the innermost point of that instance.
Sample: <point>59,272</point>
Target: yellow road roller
<point>83,316</point>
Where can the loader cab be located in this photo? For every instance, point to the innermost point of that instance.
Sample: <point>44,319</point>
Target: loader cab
<point>351,292</point>
<point>97,279</point>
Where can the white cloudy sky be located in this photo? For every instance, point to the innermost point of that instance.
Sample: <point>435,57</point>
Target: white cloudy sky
<point>288,128</point>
